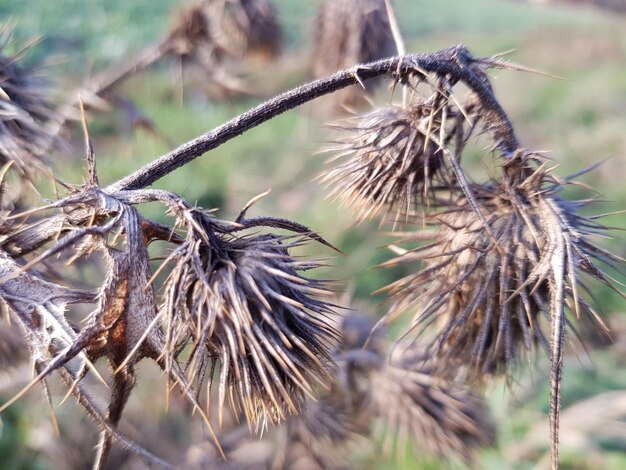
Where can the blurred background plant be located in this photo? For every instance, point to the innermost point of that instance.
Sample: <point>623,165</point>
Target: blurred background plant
<point>581,120</point>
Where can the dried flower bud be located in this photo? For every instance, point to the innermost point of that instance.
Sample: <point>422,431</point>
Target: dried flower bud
<point>392,160</point>
<point>243,303</point>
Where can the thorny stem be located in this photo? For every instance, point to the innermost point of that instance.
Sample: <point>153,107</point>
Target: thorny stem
<point>455,62</point>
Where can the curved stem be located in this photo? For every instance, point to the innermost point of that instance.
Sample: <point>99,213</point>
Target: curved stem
<point>455,62</point>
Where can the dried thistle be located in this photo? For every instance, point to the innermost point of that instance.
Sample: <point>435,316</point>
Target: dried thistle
<point>437,415</point>
<point>401,392</point>
<point>349,32</point>
<point>244,28</point>
<point>393,162</point>
<point>500,287</point>
<point>190,32</point>
<point>24,111</point>
<point>243,304</point>
<point>495,297</point>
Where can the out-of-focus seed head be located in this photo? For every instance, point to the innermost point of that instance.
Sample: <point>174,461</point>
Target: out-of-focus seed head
<point>246,28</point>
<point>24,111</point>
<point>438,416</point>
<point>402,392</point>
<point>349,32</point>
<point>392,163</point>
<point>494,288</point>
<point>244,305</point>
<point>190,31</point>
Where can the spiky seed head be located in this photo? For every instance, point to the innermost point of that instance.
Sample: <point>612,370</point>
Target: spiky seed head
<point>391,163</point>
<point>243,303</point>
<point>403,393</point>
<point>246,28</point>
<point>436,415</point>
<point>190,31</point>
<point>350,32</point>
<point>24,110</point>
<point>323,435</point>
<point>495,288</point>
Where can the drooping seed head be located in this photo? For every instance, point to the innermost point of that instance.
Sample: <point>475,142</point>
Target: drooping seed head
<point>346,33</point>
<point>494,290</point>
<point>244,305</point>
<point>246,27</point>
<point>190,31</point>
<point>414,406</point>
<point>392,163</point>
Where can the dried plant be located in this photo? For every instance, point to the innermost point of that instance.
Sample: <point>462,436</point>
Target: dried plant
<point>190,32</point>
<point>395,158</point>
<point>349,32</point>
<point>233,308</point>
<point>24,111</point>
<point>492,285</point>
<point>246,28</point>
<point>242,303</point>
<point>401,393</point>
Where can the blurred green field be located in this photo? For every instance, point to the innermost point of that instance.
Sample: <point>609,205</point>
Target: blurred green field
<point>580,120</point>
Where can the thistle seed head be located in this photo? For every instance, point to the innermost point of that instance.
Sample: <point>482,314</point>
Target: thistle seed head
<point>246,27</point>
<point>439,416</point>
<point>243,303</point>
<point>499,289</point>
<point>190,31</point>
<point>349,32</point>
<point>392,163</point>
<point>24,111</point>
